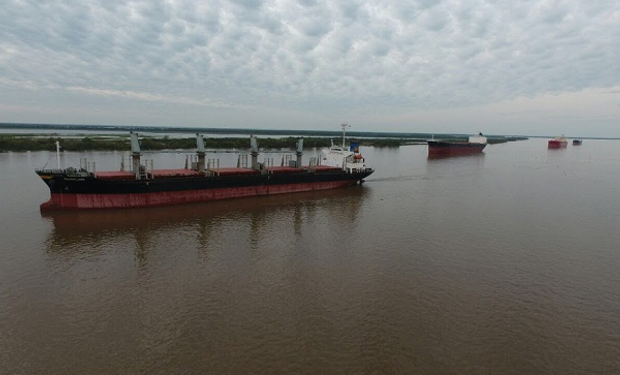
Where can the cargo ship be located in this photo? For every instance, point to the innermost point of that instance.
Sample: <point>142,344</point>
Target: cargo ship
<point>201,180</point>
<point>474,145</point>
<point>557,142</point>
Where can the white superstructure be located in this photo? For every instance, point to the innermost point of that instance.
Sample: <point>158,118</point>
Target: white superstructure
<point>478,139</point>
<point>347,158</point>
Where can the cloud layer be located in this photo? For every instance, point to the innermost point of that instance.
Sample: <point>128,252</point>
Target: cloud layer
<point>270,61</point>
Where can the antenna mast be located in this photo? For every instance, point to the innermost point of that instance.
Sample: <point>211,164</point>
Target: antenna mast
<point>344,131</point>
<point>58,154</point>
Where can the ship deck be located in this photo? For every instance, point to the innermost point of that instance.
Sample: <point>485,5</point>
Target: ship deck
<point>282,170</point>
<point>166,173</point>
<point>233,171</point>
<point>324,168</point>
<point>115,175</point>
<point>159,173</point>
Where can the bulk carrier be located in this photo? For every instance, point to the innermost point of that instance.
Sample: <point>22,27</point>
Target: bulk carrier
<point>203,180</point>
<point>474,145</point>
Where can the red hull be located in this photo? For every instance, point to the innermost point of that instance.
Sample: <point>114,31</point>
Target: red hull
<point>557,144</point>
<point>99,201</point>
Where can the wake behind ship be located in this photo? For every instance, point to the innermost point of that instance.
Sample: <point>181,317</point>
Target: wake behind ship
<point>141,186</point>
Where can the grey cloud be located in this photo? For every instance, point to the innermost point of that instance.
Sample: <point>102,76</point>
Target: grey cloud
<point>551,11</point>
<point>248,4</point>
<point>315,27</point>
<point>426,4</point>
<point>351,10</point>
<point>308,55</point>
<point>307,3</point>
<point>435,19</point>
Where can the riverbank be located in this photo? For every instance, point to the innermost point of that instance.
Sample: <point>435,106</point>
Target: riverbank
<point>38,142</point>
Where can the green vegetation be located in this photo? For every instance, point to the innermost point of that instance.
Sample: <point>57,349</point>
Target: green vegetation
<point>94,143</point>
<point>21,142</point>
<point>31,143</point>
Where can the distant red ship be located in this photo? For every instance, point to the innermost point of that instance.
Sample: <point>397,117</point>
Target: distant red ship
<point>558,142</point>
<point>475,145</point>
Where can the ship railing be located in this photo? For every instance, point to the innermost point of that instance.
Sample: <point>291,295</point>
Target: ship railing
<point>72,172</point>
<point>191,162</point>
<point>86,166</point>
<point>314,162</point>
<point>286,159</point>
<point>125,160</point>
<point>145,172</point>
<point>267,162</point>
<point>213,166</point>
<point>50,171</point>
<point>242,161</point>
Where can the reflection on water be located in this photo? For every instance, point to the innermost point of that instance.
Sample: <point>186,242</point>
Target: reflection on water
<point>450,166</point>
<point>80,231</point>
<point>443,157</point>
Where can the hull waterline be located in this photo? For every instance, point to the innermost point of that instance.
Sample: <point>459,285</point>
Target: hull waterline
<point>438,148</point>
<point>68,201</point>
<point>557,144</point>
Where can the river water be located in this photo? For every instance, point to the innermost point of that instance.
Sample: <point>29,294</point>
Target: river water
<point>504,263</point>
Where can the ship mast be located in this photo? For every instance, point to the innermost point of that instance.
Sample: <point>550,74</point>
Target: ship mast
<point>135,154</point>
<point>200,143</point>
<point>58,154</point>
<point>300,150</point>
<point>254,151</point>
<point>344,131</point>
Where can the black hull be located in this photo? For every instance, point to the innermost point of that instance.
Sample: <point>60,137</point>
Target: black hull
<point>454,148</point>
<point>90,192</point>
<point>60,183</point>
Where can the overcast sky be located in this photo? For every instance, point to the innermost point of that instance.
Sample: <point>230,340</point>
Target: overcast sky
<point>530,67</point>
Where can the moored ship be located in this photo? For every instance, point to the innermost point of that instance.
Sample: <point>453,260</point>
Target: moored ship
<point>141,186</point>
<point>557,142</point>
<point>474,145</point>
